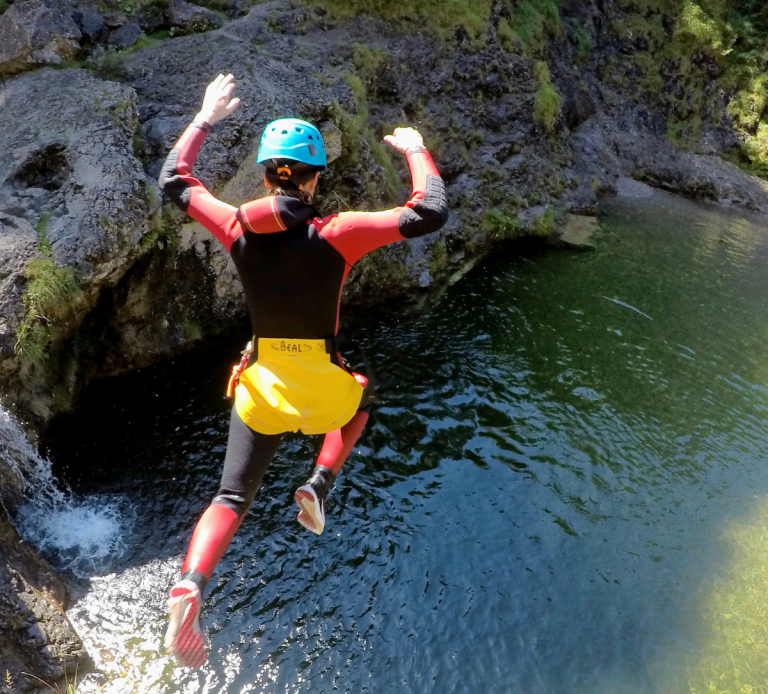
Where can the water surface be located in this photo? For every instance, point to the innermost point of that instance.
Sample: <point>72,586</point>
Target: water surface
<point>564,489</point>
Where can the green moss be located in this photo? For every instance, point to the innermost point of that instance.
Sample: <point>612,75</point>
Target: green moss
<point>367,61</point>
<point>191,331</point>
<point>42,238</point>
<point>684,134</point>
<point>747,107</point>
<point>359,91</point>
<point>356,130</point>
<point>672,50</point>
<point>752,152</point>
<point>443,16</point>
<point>698,26</point>
<point>581,41</point>
<point>381,155</point>
<point>51,296</point>
<point>499,223</point>
<point>544,225</point>
<point>548,100</point>
<point>439,258</point>
<point>533,22</point>
<point>505,34</point>
<point>51,290</point>
<point>109,65</point>
<point>161,234</point>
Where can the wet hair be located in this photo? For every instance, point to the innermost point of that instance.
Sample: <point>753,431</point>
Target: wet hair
<point>284,177</point>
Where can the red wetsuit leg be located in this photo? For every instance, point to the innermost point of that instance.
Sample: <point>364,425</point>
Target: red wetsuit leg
<point>213,533</point>
<point>338,444</point>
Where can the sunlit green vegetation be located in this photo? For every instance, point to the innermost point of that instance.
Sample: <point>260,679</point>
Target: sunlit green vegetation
<point>548,99</point>
<point>500,223</point>
<point>51,295</point>
<point>445,16</point>
<point>688,53</point>
<point>534,22</point>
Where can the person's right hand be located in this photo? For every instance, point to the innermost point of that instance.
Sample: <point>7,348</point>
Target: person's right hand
<point>406,140</point>
<point>218,102</point>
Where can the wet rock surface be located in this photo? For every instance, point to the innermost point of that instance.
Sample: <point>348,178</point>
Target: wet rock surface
<point>631,144</point>
<point>81,154</point>
<point>35,33</point>
<point>192,19</point>
<point>37,637</point>
<point>69,183</point>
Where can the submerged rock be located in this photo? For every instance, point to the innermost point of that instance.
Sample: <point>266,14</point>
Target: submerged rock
<point>629,188</point>
<point>34,33</point>
<point>577,232</point>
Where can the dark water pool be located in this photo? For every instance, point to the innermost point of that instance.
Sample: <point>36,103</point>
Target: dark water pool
<point>564,489</point>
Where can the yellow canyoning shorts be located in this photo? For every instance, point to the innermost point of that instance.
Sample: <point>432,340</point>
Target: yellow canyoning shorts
<point>294,386</point>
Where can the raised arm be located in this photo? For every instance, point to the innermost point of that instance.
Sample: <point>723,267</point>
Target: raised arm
<point>354,234</point>
<point>176,178</point>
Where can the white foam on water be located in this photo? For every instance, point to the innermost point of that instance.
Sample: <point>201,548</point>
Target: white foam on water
<point>81,535</point>
<point>84,537</point>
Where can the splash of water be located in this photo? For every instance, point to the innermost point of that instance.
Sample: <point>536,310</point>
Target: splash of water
<point>79,535</point>
<point>15,449</point>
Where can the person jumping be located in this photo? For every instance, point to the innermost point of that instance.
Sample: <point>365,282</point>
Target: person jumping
<point>292,265</point>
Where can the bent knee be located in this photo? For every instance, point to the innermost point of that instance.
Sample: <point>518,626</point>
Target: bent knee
<point>239,504</point>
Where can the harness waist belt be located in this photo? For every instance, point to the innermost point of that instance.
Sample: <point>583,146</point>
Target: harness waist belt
<point>271,347</point>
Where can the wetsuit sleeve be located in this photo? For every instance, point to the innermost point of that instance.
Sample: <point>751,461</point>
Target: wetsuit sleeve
<point>354,234</point>
<point>186,191</point>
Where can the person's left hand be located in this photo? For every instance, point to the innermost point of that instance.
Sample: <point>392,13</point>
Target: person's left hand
<point>218,102</point>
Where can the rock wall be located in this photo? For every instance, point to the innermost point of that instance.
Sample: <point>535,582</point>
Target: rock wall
<point>99,274</point>
<point>37,637</point>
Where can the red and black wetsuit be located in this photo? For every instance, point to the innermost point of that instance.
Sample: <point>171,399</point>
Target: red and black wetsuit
<point>292,265</point>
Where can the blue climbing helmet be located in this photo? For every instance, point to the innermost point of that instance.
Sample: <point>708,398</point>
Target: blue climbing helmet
<point>291,138</point>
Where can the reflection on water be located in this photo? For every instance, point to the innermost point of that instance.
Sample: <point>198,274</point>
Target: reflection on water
<point>733,656</point>
<point>538,506</point>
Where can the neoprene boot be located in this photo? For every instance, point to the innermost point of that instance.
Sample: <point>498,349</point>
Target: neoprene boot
<point>311,499</point>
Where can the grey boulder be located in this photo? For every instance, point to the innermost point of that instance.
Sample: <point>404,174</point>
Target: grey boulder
<point>192,19</point>
<point>34,33</point>
<point>125,36</point>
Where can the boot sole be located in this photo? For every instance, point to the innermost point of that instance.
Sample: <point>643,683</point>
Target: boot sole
<point>309,505</point>
<point>184,639</point>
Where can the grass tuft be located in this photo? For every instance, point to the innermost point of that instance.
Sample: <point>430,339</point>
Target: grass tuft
<point>548,99</point>
<point>533,22</point>
<point>499,223</point>
<point>53,293</point>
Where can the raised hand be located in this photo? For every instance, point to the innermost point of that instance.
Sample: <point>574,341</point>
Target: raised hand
<point>406,140</point>
<point>218,102</point>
